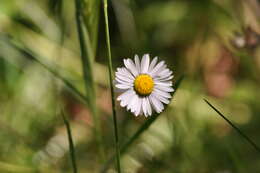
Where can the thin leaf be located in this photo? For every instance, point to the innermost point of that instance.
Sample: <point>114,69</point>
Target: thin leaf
<point>251,142</point>
<point>139,132</point>
<point>71,145</point>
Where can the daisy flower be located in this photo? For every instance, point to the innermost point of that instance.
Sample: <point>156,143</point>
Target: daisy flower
<point>146,86</point>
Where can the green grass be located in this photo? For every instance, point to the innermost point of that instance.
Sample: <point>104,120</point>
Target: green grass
<point>56,51</point>
<point>51,68</point>
<point>87,58</point>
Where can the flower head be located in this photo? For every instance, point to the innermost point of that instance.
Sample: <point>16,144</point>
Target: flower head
<point>145,86</point>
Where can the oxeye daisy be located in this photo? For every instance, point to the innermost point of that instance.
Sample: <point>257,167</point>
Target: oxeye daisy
<point>146,85</point>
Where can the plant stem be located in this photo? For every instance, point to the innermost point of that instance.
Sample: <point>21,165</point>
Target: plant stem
<point>87,57</point>
<point>71,145</point>
<point>112,87</point>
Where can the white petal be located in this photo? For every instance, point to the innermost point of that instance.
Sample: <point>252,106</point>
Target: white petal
<point>153,63</point>
<point>144,106</point>
<point>163,78</point>
<point>149,109</point>
<point>123,77</point>
<point>124,72</point>
<point>131,105</point>
<point>137,64</point>
<point>127,72</point>
<point>163,72</point>
<point>162,93</point>
<point>168,73</point>
<point>123,86</point>
<point>168,83</point>
<point>126,98</point>
<point>138,107</point>
<point>157,105</point>
<point>145,63</point>
<point>164,88</point>
<point>157,68</point>
<point>125,95</point>
<point>131,66</point>
<point>162,99</point>
<point>119,81</point>
<point>134,104</point>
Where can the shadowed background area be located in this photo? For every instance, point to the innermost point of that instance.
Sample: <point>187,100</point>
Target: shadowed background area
<point>214,43</point>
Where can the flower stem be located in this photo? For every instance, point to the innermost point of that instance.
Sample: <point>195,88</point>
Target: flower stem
<point>112,87</point>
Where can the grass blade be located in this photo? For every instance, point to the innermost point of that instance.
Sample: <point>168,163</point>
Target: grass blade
<point>112,87</point>
<point>147,124</point>
<point>71,145</point>
<point>139,132</point>
<point>32,56</point>
<point>87,58</point>
<point>251,142</point>
<point>91,14</point>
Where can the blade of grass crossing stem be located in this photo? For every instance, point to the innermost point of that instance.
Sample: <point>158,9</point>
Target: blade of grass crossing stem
<point>87,58</point>
<point>140,131</point>
<point>251,142</point>
<point>112,87</point>
<point>147,124</point>
<point>67,83</point>
<point>71,145</point>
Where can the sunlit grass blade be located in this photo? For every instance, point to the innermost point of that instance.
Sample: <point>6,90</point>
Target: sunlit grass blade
<point>71,144</point>
<point>87,57</point>
<point>140,131</point>
<point>112,87</point>
<point>32,56</point>
<point>251,142</point>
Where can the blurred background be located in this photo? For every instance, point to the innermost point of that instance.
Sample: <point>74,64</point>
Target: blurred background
<point>215,43</point>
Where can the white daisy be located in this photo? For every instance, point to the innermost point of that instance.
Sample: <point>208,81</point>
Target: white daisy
<point>145,85</point>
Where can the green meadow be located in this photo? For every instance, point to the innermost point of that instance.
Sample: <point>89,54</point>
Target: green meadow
<point>59,108</point>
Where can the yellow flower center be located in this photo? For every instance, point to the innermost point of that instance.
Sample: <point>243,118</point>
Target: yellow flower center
<point>143,84</point>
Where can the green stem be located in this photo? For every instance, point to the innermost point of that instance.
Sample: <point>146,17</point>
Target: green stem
<point>87,58</point>
<point>112,87</point>
<point>71,145</point>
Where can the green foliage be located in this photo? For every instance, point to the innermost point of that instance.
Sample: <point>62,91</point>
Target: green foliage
<point>53,53</point>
